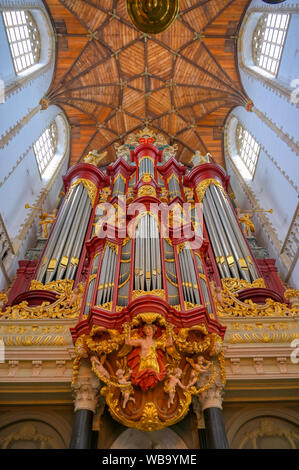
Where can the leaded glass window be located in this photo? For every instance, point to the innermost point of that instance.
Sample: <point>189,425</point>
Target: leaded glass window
<point>248,149</point>
<point>23,37</point>
<point>268,40</point>
<point>45,147</point>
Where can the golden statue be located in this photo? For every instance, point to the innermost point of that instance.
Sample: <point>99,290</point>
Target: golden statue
<point>45,218</point>
<point>245,218</point>
<point>152,16</point>
<point>94,158</point>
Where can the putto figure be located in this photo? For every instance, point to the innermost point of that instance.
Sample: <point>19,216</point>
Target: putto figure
<point>172,383</point>
<point>126,392</point>
<point>201,365</point>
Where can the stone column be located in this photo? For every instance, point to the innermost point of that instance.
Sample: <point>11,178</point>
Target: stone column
<point>86,392</point>
<point>211,405</point>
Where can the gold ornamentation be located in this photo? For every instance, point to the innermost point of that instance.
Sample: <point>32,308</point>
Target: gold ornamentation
<point>204,185</point>
<point>147,178</point>
<point>94,158</point>
<point>228,304</point>
<point>66,306</point>
<point>110,353</point>
<point>152,16</point>
<point>233,284</point>
<point>89,186</point>
<point>147,190</point>
<point>157,292</point>
<point>292,295</point>
<point>3,299</point>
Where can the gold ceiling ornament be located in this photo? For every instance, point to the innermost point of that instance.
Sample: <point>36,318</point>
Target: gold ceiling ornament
<point>151,389</point>
<point>67,305</point>
<point>152,16</point>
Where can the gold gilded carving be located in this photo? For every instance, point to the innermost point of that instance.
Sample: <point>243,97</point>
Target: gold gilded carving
<point>150,368</point>
<point>204,185</point>
<point>233,284</point>
<point>228,304</point>
<point>292,295</point>
<point>89,186</point>
<point>147,190</point>
<point>157,292</point>
<point>94,158</point>
<point>67,304</point>
<point>147,178</point>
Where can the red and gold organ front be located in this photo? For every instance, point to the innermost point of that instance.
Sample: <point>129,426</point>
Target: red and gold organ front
<point>146,256</point>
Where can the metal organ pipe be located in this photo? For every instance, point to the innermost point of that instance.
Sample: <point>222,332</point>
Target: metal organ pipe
<point>216,243</point>
<point>236,228</point>
<point>75,228</point>
<point>55,234</point>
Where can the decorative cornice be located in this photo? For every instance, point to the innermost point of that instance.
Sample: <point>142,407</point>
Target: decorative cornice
<point>294,146</point>
<point>5,138</point>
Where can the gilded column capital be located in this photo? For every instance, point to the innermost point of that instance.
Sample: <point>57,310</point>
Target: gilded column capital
<point>86,390</point>
<point>213,396</point>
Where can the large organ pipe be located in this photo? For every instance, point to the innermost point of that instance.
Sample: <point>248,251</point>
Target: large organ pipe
<point>57,252</point>
<point>236,228</point>
<point>222,236</point>
<point>215,240</point>
<point>230,235</point>
<point>77,247</point>
<point>75,228</point>
<point>55,234</point>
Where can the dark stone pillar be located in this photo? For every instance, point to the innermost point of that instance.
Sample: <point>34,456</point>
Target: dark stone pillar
<point>202,438</point>
<point>215,430</point>
<point>82,430</point>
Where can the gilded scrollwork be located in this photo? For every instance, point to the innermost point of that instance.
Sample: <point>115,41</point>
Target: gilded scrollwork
<point>229,305</point>
<point>149,361</point>
<point>67,305</point>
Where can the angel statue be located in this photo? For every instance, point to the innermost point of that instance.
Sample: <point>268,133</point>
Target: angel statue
<point>99,366</point>
<point>201,365</point>
<point>126,392</point>
<point>172,383</point>
<point>146,359</point>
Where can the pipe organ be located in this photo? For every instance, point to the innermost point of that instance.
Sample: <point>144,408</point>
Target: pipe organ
<point>140,256</point>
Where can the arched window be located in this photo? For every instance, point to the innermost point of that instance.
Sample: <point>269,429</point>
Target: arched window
<point>268,41</point>
<point>248,149</point>
<point>45,147</point>
<point>23,37</point>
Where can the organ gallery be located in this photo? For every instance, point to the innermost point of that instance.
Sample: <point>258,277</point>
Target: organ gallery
<point>146,307</point>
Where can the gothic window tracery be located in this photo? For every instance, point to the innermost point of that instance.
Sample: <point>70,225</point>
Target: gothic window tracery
<point>45,147</point>
<point>248,149</point>
<point>268,41</point>
<point>23,37</point>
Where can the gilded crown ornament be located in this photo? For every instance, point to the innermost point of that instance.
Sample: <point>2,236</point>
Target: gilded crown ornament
<point>152,16</point>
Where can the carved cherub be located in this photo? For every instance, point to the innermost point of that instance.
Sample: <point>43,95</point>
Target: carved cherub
<point>197,368</point>
<point>126,392</point>
<point>99,366</point>
<point>171,384</point>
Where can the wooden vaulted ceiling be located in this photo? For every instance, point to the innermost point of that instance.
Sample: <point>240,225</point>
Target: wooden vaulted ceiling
<point>111,79</point>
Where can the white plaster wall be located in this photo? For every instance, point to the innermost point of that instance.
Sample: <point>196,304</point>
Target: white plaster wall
<point>20,180</point>
<point>276,180</point>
